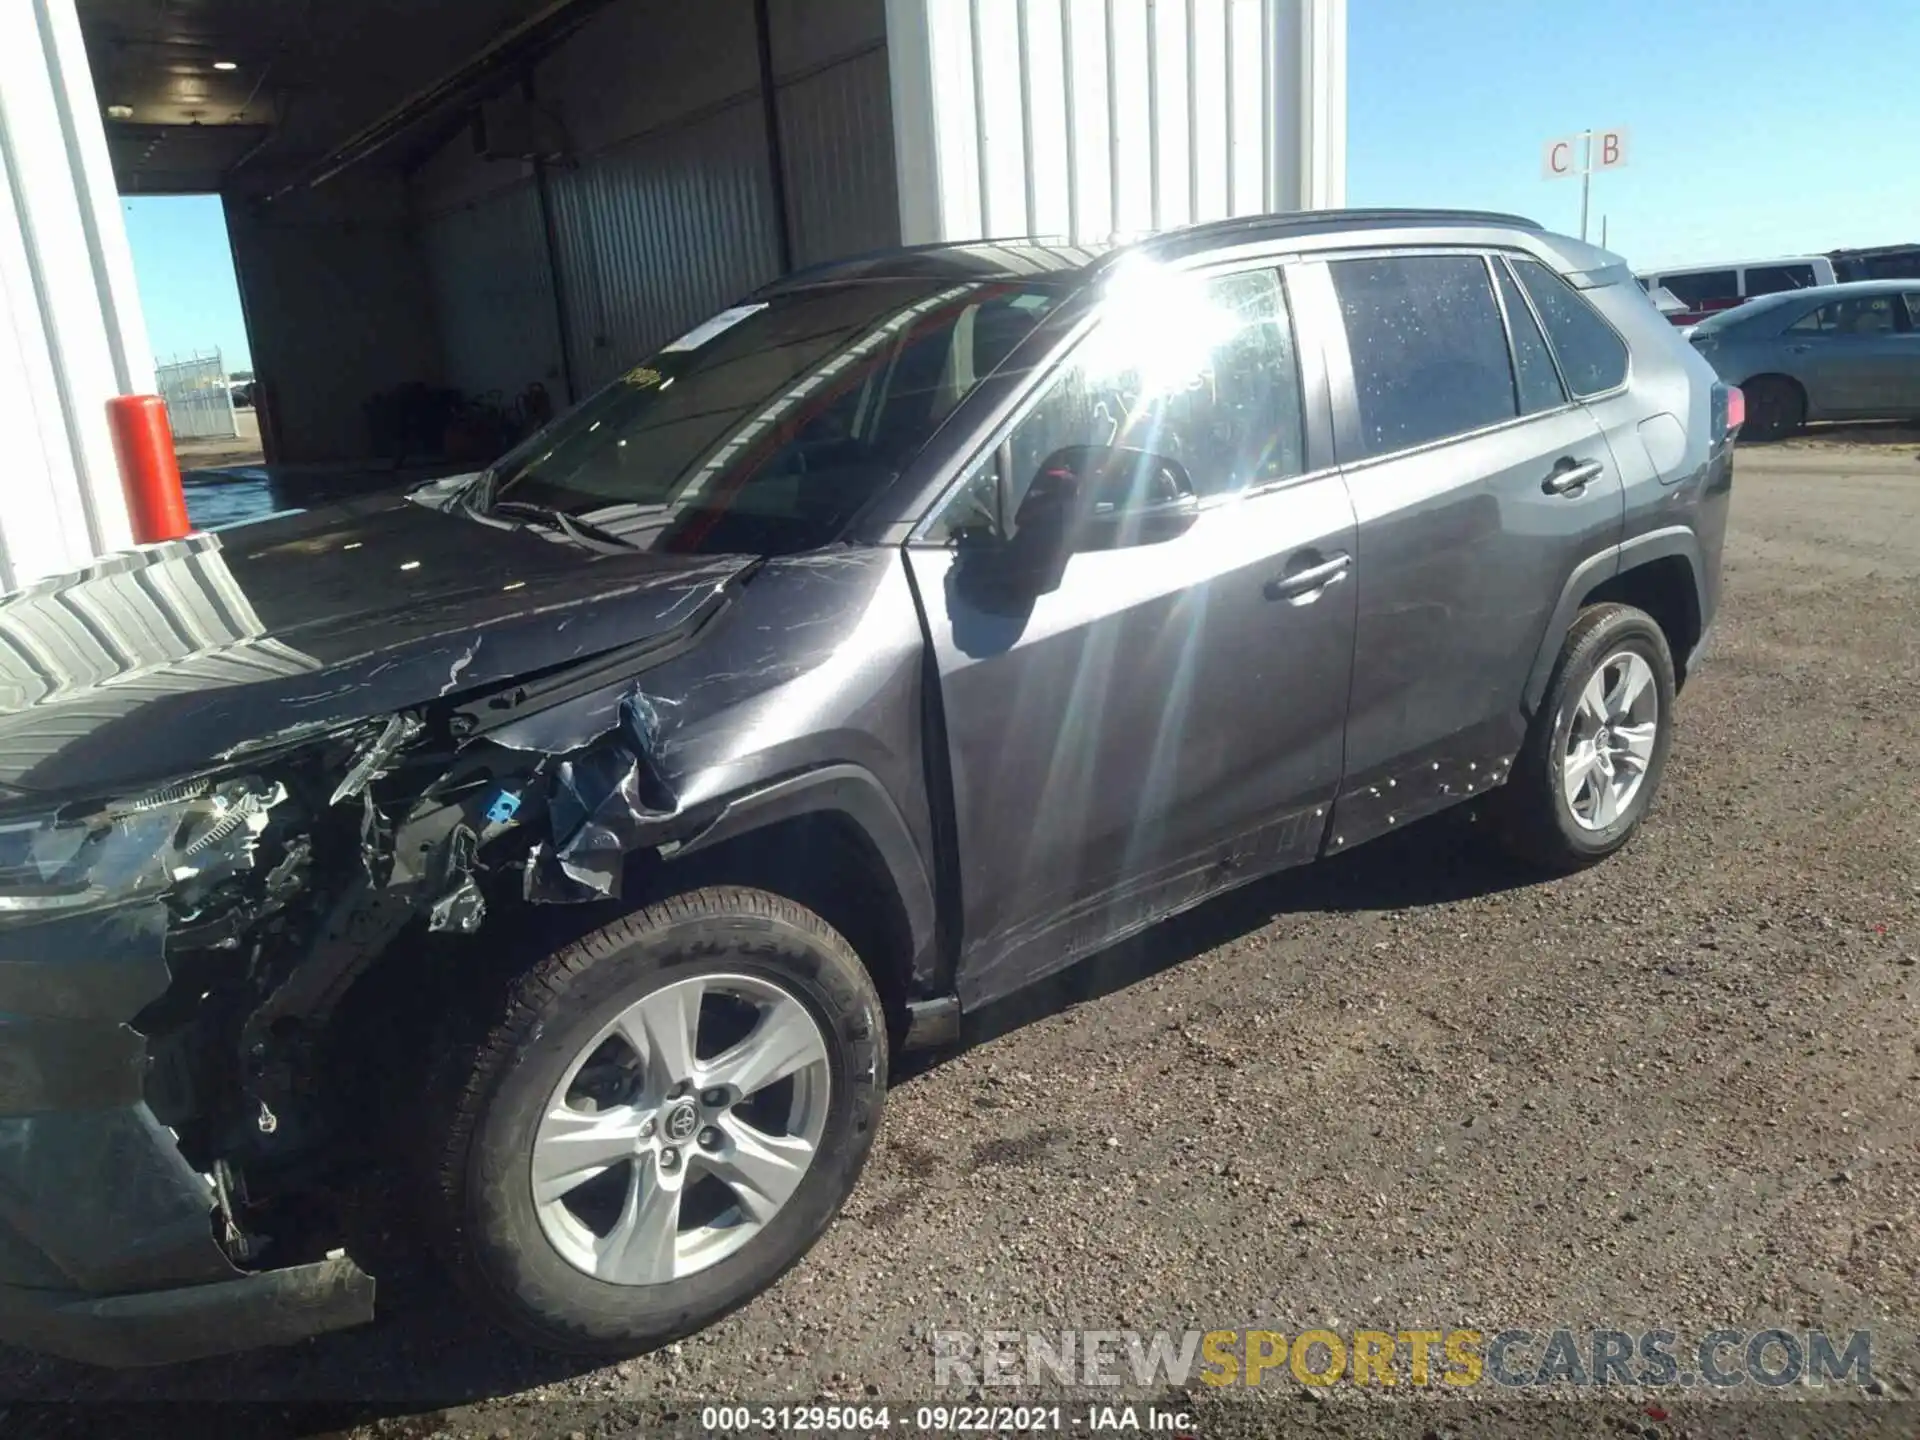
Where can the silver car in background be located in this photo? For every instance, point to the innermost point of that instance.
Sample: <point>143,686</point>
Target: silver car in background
<point>1832,352</point>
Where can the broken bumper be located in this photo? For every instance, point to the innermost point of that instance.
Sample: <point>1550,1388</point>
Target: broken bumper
<point>164,1327</point>
<point>107,1248</point>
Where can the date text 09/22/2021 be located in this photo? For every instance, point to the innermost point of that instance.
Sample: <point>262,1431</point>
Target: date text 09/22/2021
<point>945,1419</point>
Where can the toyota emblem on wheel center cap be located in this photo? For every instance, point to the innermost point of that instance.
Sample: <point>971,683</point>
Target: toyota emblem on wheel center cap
<point>681,1122</point>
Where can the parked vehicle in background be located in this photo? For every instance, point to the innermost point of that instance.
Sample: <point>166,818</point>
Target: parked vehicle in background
<point>1837,352</point>
<point>1705,290</point>
<point>1877,262</point>
<point>1664,300</point>
<point>585,835</point>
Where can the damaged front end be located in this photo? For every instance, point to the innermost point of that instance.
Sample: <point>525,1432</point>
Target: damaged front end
<point>174,1096</point>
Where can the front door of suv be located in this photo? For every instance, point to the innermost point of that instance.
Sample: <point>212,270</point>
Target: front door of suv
<point>1154,720</point>
<point>1478,487</point>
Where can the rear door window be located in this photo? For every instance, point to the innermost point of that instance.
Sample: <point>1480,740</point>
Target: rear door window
<point>1773,279</point>
<point>1700,288</point>
<point>1593,357</point>
<point>1429,350</point>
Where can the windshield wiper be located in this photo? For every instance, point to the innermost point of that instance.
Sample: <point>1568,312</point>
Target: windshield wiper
<point>593,536</point>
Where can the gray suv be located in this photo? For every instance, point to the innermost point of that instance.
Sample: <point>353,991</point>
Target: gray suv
<point>577,842</point>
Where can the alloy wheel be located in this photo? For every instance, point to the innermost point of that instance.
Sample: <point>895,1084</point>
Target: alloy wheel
<point>681,1130</point>
<point>1611,740</point>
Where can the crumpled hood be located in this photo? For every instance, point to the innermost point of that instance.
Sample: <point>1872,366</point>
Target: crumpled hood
<point>156,662</point>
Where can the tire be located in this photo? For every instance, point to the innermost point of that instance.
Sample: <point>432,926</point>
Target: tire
<point>1776,407</point>
<point>524,1262</point>
<point>1536,817</point>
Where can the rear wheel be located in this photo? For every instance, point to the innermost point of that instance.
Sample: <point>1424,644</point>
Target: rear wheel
<point>1776,407</point>
<point>1597,748</point>
<point>665,1119</point>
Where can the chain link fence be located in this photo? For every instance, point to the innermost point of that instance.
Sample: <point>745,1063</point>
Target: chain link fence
<point>199,401</point>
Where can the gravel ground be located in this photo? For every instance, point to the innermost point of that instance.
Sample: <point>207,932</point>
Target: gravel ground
<point>1408,1087</point>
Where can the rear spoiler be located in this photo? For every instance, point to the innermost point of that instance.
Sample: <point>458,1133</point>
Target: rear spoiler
<point>1599,276</point>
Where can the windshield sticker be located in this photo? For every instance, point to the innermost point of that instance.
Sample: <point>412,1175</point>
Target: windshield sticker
<point>641,378</point>
<point>718,325</point>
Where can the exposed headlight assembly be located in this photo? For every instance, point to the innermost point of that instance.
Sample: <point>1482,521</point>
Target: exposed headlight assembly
<point>200,832</point>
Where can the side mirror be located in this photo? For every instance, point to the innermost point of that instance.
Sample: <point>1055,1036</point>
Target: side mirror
<point>1105,497</point>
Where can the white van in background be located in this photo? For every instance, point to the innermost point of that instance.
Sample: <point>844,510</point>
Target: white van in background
<point>1703,290</point>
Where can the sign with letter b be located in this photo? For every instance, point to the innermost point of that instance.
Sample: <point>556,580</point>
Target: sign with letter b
<point>1568,155</point>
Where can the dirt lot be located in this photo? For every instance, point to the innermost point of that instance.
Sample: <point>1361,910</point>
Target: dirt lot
<point>1411,1087</point>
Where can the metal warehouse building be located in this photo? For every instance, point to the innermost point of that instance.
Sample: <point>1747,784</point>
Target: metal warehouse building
<point>488,195</point>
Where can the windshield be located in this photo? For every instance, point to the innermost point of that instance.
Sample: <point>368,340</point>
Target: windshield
<point>765,430</point>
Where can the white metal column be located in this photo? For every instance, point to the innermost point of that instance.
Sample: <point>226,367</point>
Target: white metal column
<point>1084,120</point>
<point>71,332</point>
<point>1308,50</point>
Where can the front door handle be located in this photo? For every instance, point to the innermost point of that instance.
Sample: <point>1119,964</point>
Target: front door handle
<point>1305,584</point>
<point>1569,478</point>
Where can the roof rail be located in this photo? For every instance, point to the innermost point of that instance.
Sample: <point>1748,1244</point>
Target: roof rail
<point>844,262</point>
<point>1358,219</point>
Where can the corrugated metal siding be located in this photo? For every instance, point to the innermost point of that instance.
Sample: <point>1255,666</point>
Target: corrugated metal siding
<point>493,294</point>
<point>836,133</point>
<point>668,213</point>
<point>659,232</point>
<point>339,309</point>
<point>159,621</point>
<point>1103,119</point>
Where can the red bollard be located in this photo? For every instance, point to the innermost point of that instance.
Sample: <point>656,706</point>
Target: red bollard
<point>149,471</point>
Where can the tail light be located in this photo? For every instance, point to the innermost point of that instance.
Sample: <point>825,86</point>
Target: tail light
<point>1729,408</point>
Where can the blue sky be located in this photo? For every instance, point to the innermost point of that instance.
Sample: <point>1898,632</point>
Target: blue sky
<point>184,268</point>
<point>1754,124</point>
<point>1757,127</point>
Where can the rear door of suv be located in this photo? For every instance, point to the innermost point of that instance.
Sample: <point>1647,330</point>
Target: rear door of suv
<point>1479,483</point>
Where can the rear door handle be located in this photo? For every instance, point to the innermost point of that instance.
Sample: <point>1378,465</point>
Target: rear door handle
<point>1303,584</point>
<point>1569,478</point>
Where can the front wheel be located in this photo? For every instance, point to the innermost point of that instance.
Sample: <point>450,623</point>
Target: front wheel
<point>663,1121</point>
<point>1597,748</point>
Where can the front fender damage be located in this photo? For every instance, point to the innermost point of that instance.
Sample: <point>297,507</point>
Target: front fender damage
<point>323,859</point>
<point>601,807</point>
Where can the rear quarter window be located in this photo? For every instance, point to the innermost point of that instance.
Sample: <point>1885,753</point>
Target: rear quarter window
<point>1593,358</point>
<point>1534,376</point>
